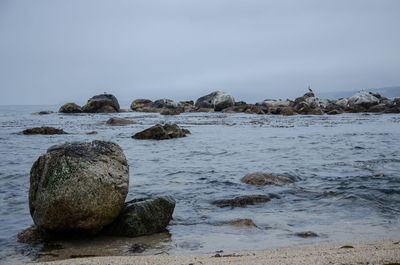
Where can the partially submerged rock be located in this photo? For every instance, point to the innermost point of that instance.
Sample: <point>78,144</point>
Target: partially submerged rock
<point>43,112</point>
<point>241,222</point>
<point>166,111</point>
<point>217,100</point>
<point>34,234</point>
<point>115,121</point>
<point>143,217</point>
<point>70,107</point>
<point>262,179</point>
<point>102,103</point>
<point>78,186</point>
<point>44,130</point>
<point>137,104</point>
<point>306,234</point>
<point>161,132</point>
<point>242,201</point>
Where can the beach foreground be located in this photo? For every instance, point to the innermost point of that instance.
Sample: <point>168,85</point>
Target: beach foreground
<point>370,252</point>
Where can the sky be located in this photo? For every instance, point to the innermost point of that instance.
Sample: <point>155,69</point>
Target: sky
<point>54,51</point>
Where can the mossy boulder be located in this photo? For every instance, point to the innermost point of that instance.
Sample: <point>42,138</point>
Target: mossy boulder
<point>70,107</point>
<point>161,132</point>
<point>78,186</point>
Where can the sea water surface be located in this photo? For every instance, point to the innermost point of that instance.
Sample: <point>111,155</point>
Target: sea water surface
<point>345,170</point>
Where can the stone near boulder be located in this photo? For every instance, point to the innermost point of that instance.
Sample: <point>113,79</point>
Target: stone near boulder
<point>115,121</point>
<point>70,107</point>
<point>34,234</point>
<point>166,104</point>
<point>263,179</point>
<point>140,103</point>
<point>166,111</point>
<point>78,186</point>
<point>43,112</point>
<point>162,132</point>
<point>241,222</point>
<point>102,103</point>
<point>334,112</point>
<point>43,130</point>
<point>143,217</point>
<point>287,111</point>
<point>125,110</point>
<point>241,201</point>
<point>377,108</point>
<point>217,100</point>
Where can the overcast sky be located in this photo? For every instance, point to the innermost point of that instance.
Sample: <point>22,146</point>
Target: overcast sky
<point>55,51</point>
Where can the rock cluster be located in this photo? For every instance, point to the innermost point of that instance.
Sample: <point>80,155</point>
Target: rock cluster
<point>103,103</point>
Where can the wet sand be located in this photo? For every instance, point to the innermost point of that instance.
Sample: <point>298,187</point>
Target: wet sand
<point>370,252</point>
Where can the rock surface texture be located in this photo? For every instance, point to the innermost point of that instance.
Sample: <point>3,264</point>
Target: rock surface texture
<point>262,179</point>
<point>101,103</point>
<point>78,186</point>
<point>242,201</point>
<point>70,107</point>
<point>217,100</point>
<point>43,130</point>
<point>143,217</point>
<point>115,121</point>
<point>161,132</point>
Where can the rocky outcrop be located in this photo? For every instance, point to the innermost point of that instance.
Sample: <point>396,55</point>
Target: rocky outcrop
<point>137,104</point>
<point>217,100</point>
<point>78,186</point>
<point>363,99</point>
<point>115,121</point>
<point>143,217</point>
<point>43,130</point>
<point>70,107</point>
<point>242,201</point>
<point>262,179</point>
<point>161,132</point>
<point>102,103</point>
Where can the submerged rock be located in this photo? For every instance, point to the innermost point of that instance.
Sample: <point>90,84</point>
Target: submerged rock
<point>306,234</point>
<point>262,179</point>
<point>217,100</point>
<point>70,107</point>
<point>77,186</point>
<point>241,222</point>
<point>43,112</point>
<point>102,103</point>
<point>166,111</point>
<point>44,130</point>
<point>161,132</point>
<point>143,217</point>
<point>115,121</point>
<point>242,201</point>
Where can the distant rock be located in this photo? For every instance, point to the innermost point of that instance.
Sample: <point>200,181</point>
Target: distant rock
<point>217,100</point>
<point>115,121</point>
<point>242,201</point>
<point>306,234</point>
<point>262,179</point>
<point>70,107</point>
<point>92,133</point>
<point>242,223</point>
<point>363,99</point>
<point>162,132</point>
<point>287,111</point>
<point>166,104</point>
<point>188,106</point>
<point>102,103</point>
<point>335,112</point>
<point>125,110</point>
<point>143,217</point>
<point>43,130</point>
<point>166,111</point>
<point>43,112</point>
<point>78,186</point>
<point>137,104</point>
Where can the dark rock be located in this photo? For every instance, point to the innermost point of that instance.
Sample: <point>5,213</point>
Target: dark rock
<point>161,132</point>
<point>334,112</point>
<point>262,179</point>
<point>205,110</point>
<point>102,103</point>
<point>217,100</point>
<point>140,103</point>
<point>91,133</point>
<point>242,201</point>
<point>143,217</point>
<point>166,104</point>
<point>43,130</point>
<point>240,103</point>
<point>304,97</point>
<point>317,111</point>
<point>377,108</point>
<point>78,186</point>
<point>43,112</point>
<point>34,234</point>
<point>287,111</point>
<point>115,121</point>
<point>166,111</point>
<point>242,222</point>
<point>254,109</point>
<point>125,110</point>
<point>70,107</point>
<point>306,234</point>
<point>395,109</point>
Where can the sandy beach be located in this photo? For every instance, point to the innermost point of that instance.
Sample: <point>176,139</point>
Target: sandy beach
<point>370,252</point>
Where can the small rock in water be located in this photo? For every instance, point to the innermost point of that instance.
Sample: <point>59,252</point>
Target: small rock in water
<point>242,222</point>
<point>306,234</point>
<point>161,132</point>
<point>70,107</point>
<point>377,175</point>
<point>242,201</point>
<point>143,217</point>
<point>43,112</point>
<point>166,111</point>
<point>43,130</point>
<point>91,133</point>
<point>137,248</point>
<point>262,179</point>
<point>346,246</point>
<point>115,121</point>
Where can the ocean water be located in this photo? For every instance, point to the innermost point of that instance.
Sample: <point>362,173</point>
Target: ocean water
<point>332,160</point>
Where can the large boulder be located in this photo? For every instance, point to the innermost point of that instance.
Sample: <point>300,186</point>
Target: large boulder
<point>161,132</point>
<point>78,186</point>
<point>143,217</point>
<point>363,99</point>
<point>137,104</point>
<point>43,130</point>
<point>70,107</point>
<point>217,100</point>
<point>101,103</point>
<point>262,179</point>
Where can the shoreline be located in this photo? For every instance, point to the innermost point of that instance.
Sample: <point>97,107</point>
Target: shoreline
<point>367,252</point>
